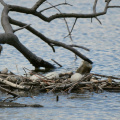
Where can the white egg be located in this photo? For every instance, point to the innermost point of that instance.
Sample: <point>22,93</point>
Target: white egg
<point>76,77</point>
<point>52,75</point>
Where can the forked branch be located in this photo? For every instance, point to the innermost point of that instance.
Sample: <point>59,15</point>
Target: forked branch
<point>38,3</point>
<point>56,16</point>
<point>11,39</point>
<point>49,41</point>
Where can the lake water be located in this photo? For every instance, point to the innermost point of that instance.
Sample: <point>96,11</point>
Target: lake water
<point>104,44</point>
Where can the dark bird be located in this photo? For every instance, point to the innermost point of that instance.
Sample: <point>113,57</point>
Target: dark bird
<point>1,48</point>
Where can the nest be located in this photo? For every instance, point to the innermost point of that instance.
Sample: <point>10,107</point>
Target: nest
<point>11,83</point>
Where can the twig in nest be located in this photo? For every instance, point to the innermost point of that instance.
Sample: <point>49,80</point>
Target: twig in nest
<point>13,85</point>
<point>41,78</point>
<point>25,72</point>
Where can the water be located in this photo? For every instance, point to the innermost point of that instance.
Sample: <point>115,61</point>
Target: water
<point>104,44</point>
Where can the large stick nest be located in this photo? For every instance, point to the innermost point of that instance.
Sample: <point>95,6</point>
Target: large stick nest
<point>36,83</point>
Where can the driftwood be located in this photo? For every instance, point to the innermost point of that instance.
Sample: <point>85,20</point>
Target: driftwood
<point>13,85</point>
<point>13,104</point>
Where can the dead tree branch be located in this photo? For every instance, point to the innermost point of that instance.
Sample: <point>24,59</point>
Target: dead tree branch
<point>4,20</point>
<point>55,16</point>
<point>11,39</point>
<point>94,10</point>
<point>63,18</point>
<point>38,3</point>
<point>54,6</point>
<point>32,30</point>
<point>21,28</point>
<point>80,47</point>
<point>113,6</point>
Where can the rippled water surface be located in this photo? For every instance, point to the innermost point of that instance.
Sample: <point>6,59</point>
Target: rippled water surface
<point>104,44</point>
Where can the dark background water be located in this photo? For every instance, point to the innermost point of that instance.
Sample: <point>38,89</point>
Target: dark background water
<point>104,44</point>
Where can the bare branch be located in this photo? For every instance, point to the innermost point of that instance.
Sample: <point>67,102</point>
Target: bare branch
<point>94,6</point>
<point>55,16</point>
<point>98,20</point>
<point>113,6</point>
<point>47,40</point>
<point>80,47</point>
<point>64,20</point>
<point>4,20</point>
<point>21,28</point>
<point>73,25</point>
<point>108,1</point>
<point>3,3</point>
<point>72,28</point>
<point>38,3</point>
<point>68,29</point>
<point>68,15</point>
<point>56,62</point>
<point>94,10</point>
<point>55,6</point>
<point>8,28</point>
<point>51,47</point>
<point>33,31</point>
